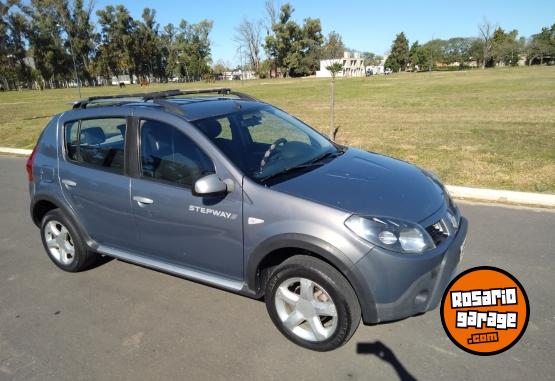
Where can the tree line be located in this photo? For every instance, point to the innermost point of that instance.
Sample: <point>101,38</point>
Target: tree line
<point>494,46</point>
<point>291,49</point>
<point>41,38</point>
<point>50,43</point>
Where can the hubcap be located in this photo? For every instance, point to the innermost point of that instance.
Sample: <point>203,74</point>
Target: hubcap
<point>306,309</point>
<point>59,242</point>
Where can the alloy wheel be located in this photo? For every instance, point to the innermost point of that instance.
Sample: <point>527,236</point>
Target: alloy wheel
<point>306,309</point>
<point>59,242</point>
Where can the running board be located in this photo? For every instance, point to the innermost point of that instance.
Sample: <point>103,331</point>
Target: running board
<point>172,269</point>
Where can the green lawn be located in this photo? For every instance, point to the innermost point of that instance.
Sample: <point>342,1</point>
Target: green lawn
<point>493,128</point>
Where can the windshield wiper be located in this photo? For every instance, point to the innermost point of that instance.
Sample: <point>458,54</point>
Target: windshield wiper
<point>317,161</point>
<point>325,155</point>
<point>294,168</point>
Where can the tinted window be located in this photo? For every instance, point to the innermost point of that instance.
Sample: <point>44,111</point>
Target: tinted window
<point>168,155</point>
<point>72,132</point>
<point>254,132</point>
<point>98,142</point>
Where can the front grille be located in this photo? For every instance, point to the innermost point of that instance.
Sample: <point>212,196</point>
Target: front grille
<point>438,232</point>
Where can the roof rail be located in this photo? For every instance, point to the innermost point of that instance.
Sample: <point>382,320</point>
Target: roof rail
<point>157,97</point>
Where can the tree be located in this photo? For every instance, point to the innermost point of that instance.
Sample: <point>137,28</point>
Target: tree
<point>117,50</point>
<point>333,46</point>
<point>219,69</point>
<point>52,61</point>
<point>168,40</point>
<point>248,35</point>
<point>149,51</point>
<point>399,56</point>
<point>193,45</point>
<point>307,50</point>
<point>13,32</point>
<point>486,37</point>
<point>541,46</point>
<point>505,47</point>
<point>271,15</point>
<point>278,44</point>
<point>371,59</point>
<point>294,49</point>
<point>333,69</point>
<point>39,39</point>
<point>457,50</point>
<point>76,22</point>
<point>265,68</point>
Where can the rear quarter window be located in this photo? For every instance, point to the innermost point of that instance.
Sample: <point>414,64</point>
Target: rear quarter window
<point>97,142</point>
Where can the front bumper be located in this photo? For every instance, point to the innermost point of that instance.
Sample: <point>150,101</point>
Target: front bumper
<point>405,285</point>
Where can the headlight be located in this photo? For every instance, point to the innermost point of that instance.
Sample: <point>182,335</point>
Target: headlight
<point>392,234</point>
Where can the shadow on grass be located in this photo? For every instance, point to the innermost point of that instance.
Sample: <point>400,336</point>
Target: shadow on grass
<point>383,352</point>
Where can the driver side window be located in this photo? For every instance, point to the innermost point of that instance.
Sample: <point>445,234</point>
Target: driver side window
<point>168,155</point>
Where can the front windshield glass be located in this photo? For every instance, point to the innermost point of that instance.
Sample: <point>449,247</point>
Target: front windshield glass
<point>265,141</point>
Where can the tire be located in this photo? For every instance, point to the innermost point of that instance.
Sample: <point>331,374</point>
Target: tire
<point>63,243</point>
<point>311,303</point>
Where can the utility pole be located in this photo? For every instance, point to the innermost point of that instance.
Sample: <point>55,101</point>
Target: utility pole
<point>242,65</point>
<point>73,58</point>
<point>431,55</point>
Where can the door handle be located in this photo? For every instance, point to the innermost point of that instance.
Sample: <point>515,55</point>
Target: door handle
<point>69,183</point>
<point>143,200</point>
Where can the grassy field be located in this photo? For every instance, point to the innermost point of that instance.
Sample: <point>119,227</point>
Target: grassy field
<point>493,128</point>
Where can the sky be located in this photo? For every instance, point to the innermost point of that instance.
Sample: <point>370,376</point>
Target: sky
<point>364,25</point>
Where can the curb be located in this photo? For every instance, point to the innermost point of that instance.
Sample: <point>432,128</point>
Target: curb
<point>502,196</point>
<point>16,151</point>
<point>477,194</point>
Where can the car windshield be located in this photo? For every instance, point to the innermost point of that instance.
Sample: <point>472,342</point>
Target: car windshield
<point>266,142</point>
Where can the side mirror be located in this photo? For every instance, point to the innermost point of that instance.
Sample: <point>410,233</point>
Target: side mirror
<point>210,185</point>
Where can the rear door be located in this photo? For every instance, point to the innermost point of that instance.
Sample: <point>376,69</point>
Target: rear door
<point>175,226</point>
<point>93,176</point>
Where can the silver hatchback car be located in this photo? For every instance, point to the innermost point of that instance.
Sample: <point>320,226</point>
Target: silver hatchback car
<point>221,188</point>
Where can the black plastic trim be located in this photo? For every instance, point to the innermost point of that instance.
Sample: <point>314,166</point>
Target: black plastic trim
<point>321,248</point>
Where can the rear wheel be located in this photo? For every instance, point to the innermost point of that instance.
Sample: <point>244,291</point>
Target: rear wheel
<point>63,244</point>
<point>312,304</point>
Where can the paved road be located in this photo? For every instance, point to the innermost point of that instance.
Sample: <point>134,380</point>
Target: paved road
<point>125,322</point>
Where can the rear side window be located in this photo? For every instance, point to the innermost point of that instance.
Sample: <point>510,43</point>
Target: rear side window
<point>169,155</point>
<point>97,142</point>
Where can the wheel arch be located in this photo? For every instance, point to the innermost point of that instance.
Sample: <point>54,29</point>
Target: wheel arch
<point>279,248</point>
<point>42,204</point>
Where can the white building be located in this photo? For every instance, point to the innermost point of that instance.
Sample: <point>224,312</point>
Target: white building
<point>238,74</point>
<point>377,69</point>
<point>353,66</point>
<point>125,79</point>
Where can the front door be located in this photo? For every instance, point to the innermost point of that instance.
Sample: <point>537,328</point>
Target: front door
<point>175,226</point>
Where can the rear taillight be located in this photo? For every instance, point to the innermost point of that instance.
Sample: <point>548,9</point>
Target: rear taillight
<point>29,165</point>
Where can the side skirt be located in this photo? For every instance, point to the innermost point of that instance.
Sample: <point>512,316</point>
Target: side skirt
<point>211,279</point>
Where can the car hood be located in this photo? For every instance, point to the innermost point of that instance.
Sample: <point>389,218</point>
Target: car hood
<point>369,184</point>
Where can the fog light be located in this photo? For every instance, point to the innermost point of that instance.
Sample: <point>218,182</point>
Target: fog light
<point>422,297</point>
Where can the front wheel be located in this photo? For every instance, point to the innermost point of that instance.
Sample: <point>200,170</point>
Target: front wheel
<point>312,304</point>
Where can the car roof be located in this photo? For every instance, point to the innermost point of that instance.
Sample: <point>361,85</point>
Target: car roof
<point>189,107</point>
<point>200,108</point>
